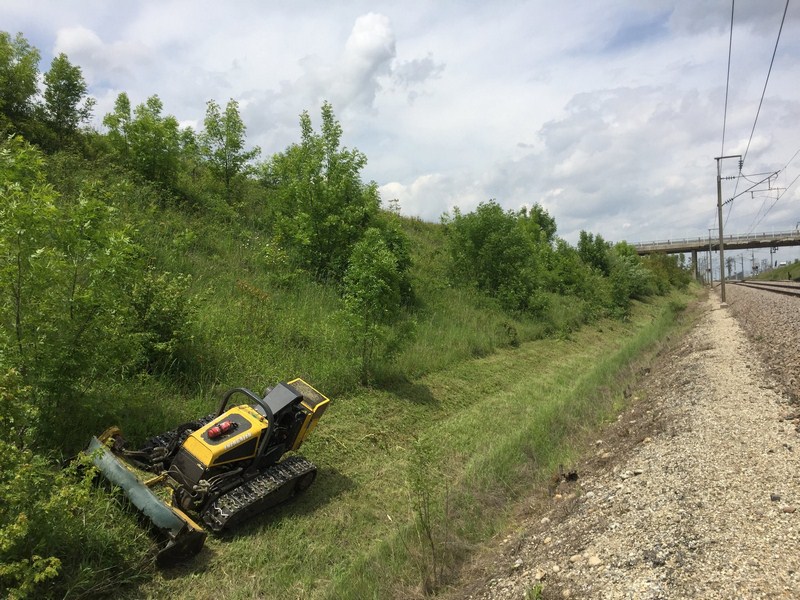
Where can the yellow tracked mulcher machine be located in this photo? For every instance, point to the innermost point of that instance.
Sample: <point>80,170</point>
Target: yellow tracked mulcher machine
<point>222,469</point>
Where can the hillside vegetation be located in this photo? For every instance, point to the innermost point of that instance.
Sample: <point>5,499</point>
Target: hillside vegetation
<point>145,269</point>
<point>790,272</point>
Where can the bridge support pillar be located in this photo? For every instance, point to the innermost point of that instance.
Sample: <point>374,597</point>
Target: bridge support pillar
<point>695,264</point>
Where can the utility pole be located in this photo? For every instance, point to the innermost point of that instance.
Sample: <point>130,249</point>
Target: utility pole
<point>710,270</point>
<point>719,216</point>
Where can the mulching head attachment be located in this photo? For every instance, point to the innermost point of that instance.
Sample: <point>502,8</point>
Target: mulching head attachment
<point>184,537</point>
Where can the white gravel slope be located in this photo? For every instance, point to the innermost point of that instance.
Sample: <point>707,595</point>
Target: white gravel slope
<point>706,506</point>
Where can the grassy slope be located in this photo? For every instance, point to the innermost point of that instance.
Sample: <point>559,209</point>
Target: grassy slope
<point>787,272</point>
<point>258,322</point>
<point>487,417</point>
<point>492,423</point>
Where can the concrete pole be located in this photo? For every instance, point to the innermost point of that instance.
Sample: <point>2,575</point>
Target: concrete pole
<point>710,258</point>
<point>721,245</point>
<point>719,216</point>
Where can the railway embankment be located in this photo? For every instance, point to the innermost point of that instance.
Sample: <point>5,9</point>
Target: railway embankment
<point>692,493</point>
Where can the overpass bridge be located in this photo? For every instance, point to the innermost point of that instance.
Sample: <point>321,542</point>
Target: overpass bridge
<point>730,242</point>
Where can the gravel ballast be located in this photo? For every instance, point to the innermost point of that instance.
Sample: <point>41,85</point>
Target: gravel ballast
<point>698,493</point>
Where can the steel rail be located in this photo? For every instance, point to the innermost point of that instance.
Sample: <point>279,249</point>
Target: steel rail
<point>777,287</point>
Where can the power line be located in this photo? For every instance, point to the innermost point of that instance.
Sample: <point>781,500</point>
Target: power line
<point>747,177</point>
<point>727,82</point>
<point>758,112</point>
<point>764,91</point>
<point>786,189</point>
<point>730,208</point>
<point>757,183</point>
<point>756,219</point>
<point>791,159</point>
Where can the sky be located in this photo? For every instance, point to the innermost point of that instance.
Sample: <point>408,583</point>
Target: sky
<point>608,113</point>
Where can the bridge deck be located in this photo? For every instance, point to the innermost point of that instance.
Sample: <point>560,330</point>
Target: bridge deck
<point>734,242</point>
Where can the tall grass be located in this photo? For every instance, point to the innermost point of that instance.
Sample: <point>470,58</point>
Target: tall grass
<point>260,320</point>
<point>481,402</point>
<point>478,434</point>
<point>411,472</point>
<point>513,438</point>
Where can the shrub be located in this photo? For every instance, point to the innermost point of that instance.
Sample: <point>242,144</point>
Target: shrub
<point>322,208</point>
<point>163,312</point>
<point>502,253</point>
<point>58,534</point>
<point>372,297</point>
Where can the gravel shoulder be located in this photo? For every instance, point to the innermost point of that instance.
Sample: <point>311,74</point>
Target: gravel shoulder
<point>693,493</point>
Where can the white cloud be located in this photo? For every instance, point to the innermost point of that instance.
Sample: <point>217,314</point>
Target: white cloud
<point>100,61</point>
<point>368,55</point>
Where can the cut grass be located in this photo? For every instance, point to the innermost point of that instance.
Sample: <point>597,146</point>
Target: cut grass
<point>483,431</point>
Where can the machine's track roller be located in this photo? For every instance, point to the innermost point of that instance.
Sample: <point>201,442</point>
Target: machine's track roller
<point>276,484</point>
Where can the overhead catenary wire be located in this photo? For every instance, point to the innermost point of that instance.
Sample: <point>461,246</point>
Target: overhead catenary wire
<point>756,219</point>
<point>766,81</point>
<point>727,215</point>
<point>727,88</point>
<point>757,183</point>
<point>786,189</point>
<point>760,103</point>
<point>727,82</point>
<point>791,159</point>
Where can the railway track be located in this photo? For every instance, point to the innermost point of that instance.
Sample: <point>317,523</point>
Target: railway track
<point>787,288</point>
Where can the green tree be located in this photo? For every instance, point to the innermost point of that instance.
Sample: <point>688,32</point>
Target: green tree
<point>19,71</point>
<point>372,295</point>
<point>502,253</point>
<point>195,183</point>
<point>66,104</point>
<point>222,143</point>
<point>65,264</point>
<point>154,142</point>
<point>628,269</point>
<point>118,123</point>
<point>595,252</point>
<point>667,271</point>
<point>27,211</point>
<point>149,141</point>
<point>322,207</point>
<point>538,223</point>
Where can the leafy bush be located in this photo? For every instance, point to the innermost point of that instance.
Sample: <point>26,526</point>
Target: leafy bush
<point>502,253</point>
<point>668,271</point>
<point>321,206</point>
<point>58,534</point>
<point>163,312</point>
<point>570,276</point>
<point>372,296</point>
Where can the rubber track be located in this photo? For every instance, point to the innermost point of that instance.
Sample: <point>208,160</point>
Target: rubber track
<point>253,496</point>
